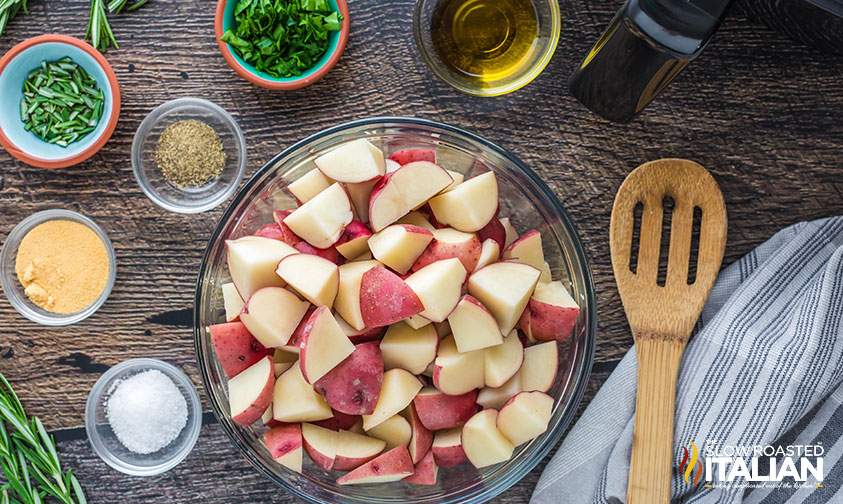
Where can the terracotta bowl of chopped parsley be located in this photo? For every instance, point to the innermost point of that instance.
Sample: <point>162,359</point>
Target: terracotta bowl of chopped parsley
<point>282,44</point>
<point>59,101</point>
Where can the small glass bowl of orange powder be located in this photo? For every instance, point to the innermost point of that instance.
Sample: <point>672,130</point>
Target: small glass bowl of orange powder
<point>57,267</point>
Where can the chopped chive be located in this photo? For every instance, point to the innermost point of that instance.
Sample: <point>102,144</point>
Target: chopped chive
<point>61,102</point>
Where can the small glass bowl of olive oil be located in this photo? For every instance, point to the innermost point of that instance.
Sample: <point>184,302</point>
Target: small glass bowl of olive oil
<point>487,47</point>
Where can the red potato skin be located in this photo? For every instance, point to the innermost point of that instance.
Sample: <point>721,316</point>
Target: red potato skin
<point>236,348</point>
<point>289,237</point>
<point>271,230</point>
<point>297,338</point>
<point>494,230</point>
<point>442,411</point>
<point>421,439</point>
<point>410,155</point>
<point>329,253</point>
<point>283,439</point>
<point>255,410</point>
<point>320,460</point>
<point>395,461</point>
<point>354,385</point>
<point>424,472</point>
<point>366,335</point>
<point>468,254</point>
<point>385,298</point>
<point>448,456</point>
<point>355,230</point>
<point>549,322</point>
<point>340,421</point>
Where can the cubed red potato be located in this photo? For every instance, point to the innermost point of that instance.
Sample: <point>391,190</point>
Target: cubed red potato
<point>232,302</point>
<point>397,391</point>
<point>250,392</point>
<point>473,326</point>
<point>541,362</point>
<point>490,252</point>
<point>294,344</point>
<point>321,221</point>
<point>456,372</point>
<point>385,298</point>
<point>285,445</point>
<point>403,190</point>
<point>399,245</point>
<point>252,261</point>
<point>289,237</point>
<point>347,302</point>
<point>449,243</point>
<point>354,450</point>
<point>421,438</point>
<point>416,218</point>
<point>391,466</point>
<point>361,336</point>
<point>494,398</point>
<point>272,315</point>
<point>470,206</point>
<point>503,361</point>
<point>511,233</point>
<point>437,410</point>
<point>504,288</point>
<point>315,278</point>
<point>409,155</point>
<point>494,230</point>
<point>425,471</point>
<point>320,445</point>
<point>340,421</point>
<point>294,400</point>
<point>484,444</point>
<point>439,286</point>
<point>447,447</point>
<point>236,348</point>
<point>354,385</point>
<point>329,253</point>
<point>324,345</point>
<point>395,431</point>
<point>309,185</point>
<point>525,416</point>
<point>353,162</point>
<point>526,249</point>
<point>354,240</point>
<point>360,194</point>
<point>408,348</point>
<point>553,312</point>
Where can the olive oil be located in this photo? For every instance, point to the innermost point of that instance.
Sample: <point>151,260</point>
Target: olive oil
<point>486,40</point>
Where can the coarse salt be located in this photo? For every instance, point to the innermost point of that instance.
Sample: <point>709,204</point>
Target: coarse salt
<point>146,411</point>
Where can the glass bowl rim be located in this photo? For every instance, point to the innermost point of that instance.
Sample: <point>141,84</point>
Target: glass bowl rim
<point>152,119</point>
<point>535,69</point>
<point>23,305</point>
<point>194,405</point>
<point>503,484</point>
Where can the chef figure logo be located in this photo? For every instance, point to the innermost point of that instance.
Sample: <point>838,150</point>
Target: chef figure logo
<point>686,467</point>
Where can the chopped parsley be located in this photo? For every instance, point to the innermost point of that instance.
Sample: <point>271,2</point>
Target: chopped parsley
<point>282,38</point>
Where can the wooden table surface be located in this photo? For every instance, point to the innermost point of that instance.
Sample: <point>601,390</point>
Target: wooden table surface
<point>763,113</point>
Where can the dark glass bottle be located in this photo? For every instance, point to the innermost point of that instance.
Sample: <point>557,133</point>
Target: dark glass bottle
<point>644,48</point>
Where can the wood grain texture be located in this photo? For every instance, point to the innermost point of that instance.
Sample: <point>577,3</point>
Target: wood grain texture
<point>759,111</point>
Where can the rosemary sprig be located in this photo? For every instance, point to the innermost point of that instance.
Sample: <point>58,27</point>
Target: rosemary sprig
<point>29,459</point>
<point>99,31</point>
<point>8,10</point>
<point>116,6</point>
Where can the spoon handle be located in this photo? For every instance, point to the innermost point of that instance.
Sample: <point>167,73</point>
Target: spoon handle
<point>652,445</point>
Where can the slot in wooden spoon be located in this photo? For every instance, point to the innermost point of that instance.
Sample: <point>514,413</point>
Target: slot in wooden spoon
<point>662,316</point>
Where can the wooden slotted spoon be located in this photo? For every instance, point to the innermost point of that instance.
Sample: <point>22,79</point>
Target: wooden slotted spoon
<point>662,317</point>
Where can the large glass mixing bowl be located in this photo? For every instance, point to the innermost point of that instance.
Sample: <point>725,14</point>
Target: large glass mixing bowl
<point>523,197</point>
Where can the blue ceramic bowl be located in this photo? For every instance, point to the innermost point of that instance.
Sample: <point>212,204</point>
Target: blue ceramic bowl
<point>14,67</point>
<point>336,45</point>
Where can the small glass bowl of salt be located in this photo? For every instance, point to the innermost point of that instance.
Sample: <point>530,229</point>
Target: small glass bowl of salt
<point>143,417</point>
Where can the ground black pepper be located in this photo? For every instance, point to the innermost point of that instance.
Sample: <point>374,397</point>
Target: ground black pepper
<point>189,154</point>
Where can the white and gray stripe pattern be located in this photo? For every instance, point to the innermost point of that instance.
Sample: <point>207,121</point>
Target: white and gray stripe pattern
<point>764,367</point>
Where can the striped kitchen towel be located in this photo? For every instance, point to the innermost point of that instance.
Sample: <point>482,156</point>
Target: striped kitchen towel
<point>759,412</point>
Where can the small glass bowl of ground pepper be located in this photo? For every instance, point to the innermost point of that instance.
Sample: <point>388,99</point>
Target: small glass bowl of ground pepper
<point>57,267</point>
<point>189,155</point>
